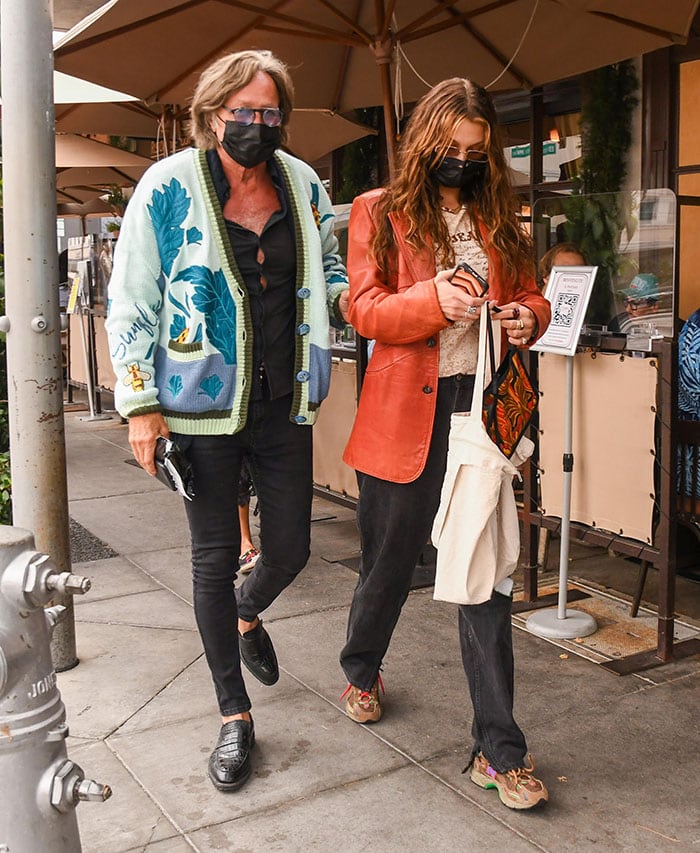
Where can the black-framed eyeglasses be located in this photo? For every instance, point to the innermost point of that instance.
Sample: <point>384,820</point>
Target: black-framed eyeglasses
<point>471,155</point>
<point>271,116</point>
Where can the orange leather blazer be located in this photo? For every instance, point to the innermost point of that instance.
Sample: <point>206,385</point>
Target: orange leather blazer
<point>391,434</point>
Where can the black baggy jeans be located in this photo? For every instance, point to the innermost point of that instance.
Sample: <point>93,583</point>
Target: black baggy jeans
<point>279,454</point>
<point>395,520</point>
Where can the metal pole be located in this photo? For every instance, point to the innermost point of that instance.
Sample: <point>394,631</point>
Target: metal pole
<point>37,443</point>
<point>567,471</point>
<point>564,624</point>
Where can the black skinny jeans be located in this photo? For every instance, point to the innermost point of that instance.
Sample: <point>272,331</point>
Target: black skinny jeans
<point>280,457</point>
<point>395,520</point>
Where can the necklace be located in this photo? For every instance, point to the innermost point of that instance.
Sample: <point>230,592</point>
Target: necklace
<point>453,209</point>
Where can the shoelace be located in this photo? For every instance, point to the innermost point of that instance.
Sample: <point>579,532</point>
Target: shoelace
<point>365,699</point>
<point>521,776</point>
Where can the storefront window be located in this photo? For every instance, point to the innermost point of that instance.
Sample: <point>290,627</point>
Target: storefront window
<point>630,237</point>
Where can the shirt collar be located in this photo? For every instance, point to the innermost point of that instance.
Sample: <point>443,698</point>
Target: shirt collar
<point>221,185</point>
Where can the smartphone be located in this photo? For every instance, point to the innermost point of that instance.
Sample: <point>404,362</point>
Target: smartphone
<point>472,272</point>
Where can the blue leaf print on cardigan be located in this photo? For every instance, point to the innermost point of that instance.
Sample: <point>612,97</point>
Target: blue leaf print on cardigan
<point>211,386</point>
<point>213,298</point>
<point>178,304</point>
<point>194,235</point>
<point>175,385</point>
<point>168,210</point>
<point>177,327</point>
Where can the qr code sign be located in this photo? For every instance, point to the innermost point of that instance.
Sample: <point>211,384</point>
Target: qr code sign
<point>564,309</point>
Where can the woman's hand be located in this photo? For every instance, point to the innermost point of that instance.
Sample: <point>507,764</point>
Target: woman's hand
<point>519,322</point>
<point>143,432</point>
<point>344,304</point>
<point>458,296</point>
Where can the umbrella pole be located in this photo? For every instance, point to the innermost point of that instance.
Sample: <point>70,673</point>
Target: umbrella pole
<point>382,53</point>
<point>385,71</point>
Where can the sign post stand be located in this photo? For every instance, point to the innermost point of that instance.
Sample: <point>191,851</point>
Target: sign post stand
<point>568,291</point>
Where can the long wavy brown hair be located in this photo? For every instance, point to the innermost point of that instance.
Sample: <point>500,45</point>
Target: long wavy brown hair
<point>414,192</point>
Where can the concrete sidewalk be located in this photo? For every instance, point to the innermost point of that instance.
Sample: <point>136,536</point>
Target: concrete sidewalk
<point>619,755</point>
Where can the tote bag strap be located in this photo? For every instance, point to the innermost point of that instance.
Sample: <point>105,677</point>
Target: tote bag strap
<point>485,338</point>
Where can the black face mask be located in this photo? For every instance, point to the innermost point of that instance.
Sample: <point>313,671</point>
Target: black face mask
<point>467,175</point>
<point>250,145</point>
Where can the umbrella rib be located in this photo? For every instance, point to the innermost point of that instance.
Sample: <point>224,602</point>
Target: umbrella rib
<point>409,33</point>
<point>125,28</point>
<point>334,38</point>
<point>61,114</point>
<point>170,84</point>
<point>123,175</point>
<point>676,38</point>
<point>361,31</point>
<point>289,19</point>
<point>73,198</point>
<point>386,24</point>
<point>441,6</point>
<point>342,70</point>
<point>461,19</point>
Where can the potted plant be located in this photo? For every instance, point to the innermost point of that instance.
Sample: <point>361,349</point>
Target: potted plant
<point>113,227</point>
<point>116,199</point>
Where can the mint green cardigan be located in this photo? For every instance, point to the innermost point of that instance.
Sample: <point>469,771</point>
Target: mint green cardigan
<point>179,326</point>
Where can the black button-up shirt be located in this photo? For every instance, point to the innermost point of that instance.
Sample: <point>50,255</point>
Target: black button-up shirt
<point>269,257</point>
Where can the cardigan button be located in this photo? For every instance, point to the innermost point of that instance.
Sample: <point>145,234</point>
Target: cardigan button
<point>431,342</point>
<point>303,376</point>
<point>299,419</point>
<point>427,389</point>
<point>303,329</point>
<point>303,293</point>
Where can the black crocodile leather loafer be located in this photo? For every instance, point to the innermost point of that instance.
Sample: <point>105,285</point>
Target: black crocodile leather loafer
<point>229,763</point>
<point>258,654</point>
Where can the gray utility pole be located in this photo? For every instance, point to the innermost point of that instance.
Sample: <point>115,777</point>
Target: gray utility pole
<point>35,383</point>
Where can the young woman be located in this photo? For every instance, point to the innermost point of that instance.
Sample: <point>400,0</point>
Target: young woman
<point>451,201</point>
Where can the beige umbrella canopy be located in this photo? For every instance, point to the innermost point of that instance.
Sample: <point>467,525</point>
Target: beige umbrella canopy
<point>117,119</point>
<point>312,133</point>
<point>315,133</point>
<point>84,162</point>
<point>156,49</point>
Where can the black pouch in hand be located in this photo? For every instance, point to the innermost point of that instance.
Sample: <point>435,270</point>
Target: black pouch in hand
<point>173,469</point>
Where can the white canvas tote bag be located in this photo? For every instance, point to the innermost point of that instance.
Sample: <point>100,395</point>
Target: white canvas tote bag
<point>476,529</point>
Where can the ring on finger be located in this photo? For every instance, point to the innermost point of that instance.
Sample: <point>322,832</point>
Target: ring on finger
<point>523,341</point>
<point>471,309</point>
<point>516,312</point>
<point>521,325</point>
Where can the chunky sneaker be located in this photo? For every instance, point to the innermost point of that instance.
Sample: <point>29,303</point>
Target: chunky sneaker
<point>247,561</point>
<point>364,706</point>
<point>517,789</point>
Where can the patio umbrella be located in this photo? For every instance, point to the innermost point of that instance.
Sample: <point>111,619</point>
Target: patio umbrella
<point>156,49</point>
<point>82,162</point>
<point>315,133</point>
<point>312,133</point>
<point>110,119</point>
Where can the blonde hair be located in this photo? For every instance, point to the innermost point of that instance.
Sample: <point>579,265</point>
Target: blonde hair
<point>548,260</point>
<point>229,74</point>
<point>414,193</point>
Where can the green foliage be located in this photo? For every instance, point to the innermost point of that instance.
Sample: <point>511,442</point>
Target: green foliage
<point>116,200</point>
<point>606,127</point>
<point>597,218</point>
<point>359,169</point>
<point>5,489</point>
